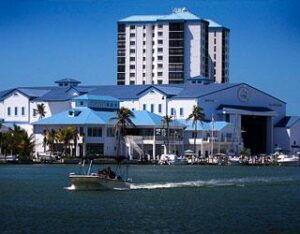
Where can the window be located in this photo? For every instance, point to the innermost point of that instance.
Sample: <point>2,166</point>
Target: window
<point>159,57</point>
<point>159,81</point>
<point>159,65</point>
<point>144,66</point>
<point>8,111</point>
<point>160,42</point>
<point>159,73</point>
<point>144,107</point>
<point>152,107</point>
<point>144,34</point>
<point>144,50</point>
<point>132,74</point>
<point>153,66</point>
<point>144,43</point>
<point>121,60</point>
<point>132,66</point>
<point>159,26</point>
<point>34,112</point>
<point>144,82</point>
<point>132,59</point>
<point>132,35</point>
<point>132,43</point>
<point>94,132</point>
<point>132,26</point>
<point>144,58</point>
<point>215,48</point>
<point>153,27</point>
<point>132,82</point>
<point>16,110</point>
<point>132,51</point>
<point>144,74</point>
<point>181,111</point>
<point>110,132</point>
<point>215,34</point>
<point>159,49</point>
<point>215,41</point>
<point>159,108</point>
<point>215,56</point>
<point>23,111</point>
<point>172,111</point>
<point>160,33</point>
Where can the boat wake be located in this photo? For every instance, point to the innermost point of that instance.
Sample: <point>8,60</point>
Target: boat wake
<point>230,182</point>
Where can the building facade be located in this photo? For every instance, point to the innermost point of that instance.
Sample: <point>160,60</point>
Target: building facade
<point>254,117</point>
<point>163,49</point>
<point>218,49</point>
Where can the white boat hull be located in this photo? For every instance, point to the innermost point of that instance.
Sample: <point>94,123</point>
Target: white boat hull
<point>96,182</point>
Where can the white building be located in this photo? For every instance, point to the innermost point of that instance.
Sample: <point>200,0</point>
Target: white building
<point>167,49</point>
<point>253,115</point>
<point>218,50</point>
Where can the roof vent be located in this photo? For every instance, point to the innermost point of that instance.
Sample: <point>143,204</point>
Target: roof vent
<point>74,113</point>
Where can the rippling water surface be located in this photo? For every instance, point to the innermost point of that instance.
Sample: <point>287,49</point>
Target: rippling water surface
<point>161,199</point>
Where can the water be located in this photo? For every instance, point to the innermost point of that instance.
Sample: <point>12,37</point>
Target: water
<point>163,199</point>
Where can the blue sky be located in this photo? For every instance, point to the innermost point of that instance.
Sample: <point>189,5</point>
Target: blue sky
<point>43,41</point>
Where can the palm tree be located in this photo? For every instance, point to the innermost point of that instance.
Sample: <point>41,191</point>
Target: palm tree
<point>50,136</point>
<point>123,120</point>
<point>166,121</point>
<point>65,136</point>
<point>41,110</point>
<point>26,146</point>
<point>196,115</point>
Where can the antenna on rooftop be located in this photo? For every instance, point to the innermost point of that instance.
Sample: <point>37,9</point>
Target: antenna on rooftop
<point>180,10</point>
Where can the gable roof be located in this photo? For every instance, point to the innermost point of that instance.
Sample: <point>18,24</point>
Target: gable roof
<point>89,116</point>
<point>287,121</point>
<point>204,126</point>
<point>96,98</point>
<point>126,92</point>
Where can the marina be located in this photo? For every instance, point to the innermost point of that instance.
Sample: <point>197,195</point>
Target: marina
<point>161,199</point>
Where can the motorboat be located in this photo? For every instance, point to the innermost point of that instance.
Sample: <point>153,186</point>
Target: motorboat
<point>234,160</point>
<point>172,159</point>
<point>287,160</point>
<point>105,179</point>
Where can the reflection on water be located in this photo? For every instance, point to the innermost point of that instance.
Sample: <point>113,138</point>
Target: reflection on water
<point>161,199</point>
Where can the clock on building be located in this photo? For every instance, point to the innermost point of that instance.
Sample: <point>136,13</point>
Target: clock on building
<point>243,94</point>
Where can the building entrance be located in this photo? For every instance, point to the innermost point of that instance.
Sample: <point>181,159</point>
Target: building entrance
<point>254,133</point>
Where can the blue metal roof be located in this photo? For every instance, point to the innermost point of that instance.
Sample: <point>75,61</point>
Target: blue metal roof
<point>185,15</point>
<point>126,92</point>
<point>204,126</point>
<point>33,92</point>
<point>213,24</point>
<point>287,121</point>
<point>96,98</point>
<point>175,16</point>
<point>88,116</point>
<point>141,18</point>
<point>146,118</point>
<point>85,116</point>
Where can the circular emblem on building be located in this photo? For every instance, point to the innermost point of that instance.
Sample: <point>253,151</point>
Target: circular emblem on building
<point>243,94</point>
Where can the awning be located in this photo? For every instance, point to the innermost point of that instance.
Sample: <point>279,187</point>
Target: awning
<point>246,110</point>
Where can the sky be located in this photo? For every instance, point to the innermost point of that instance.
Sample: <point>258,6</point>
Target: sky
<point>43,41</point>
